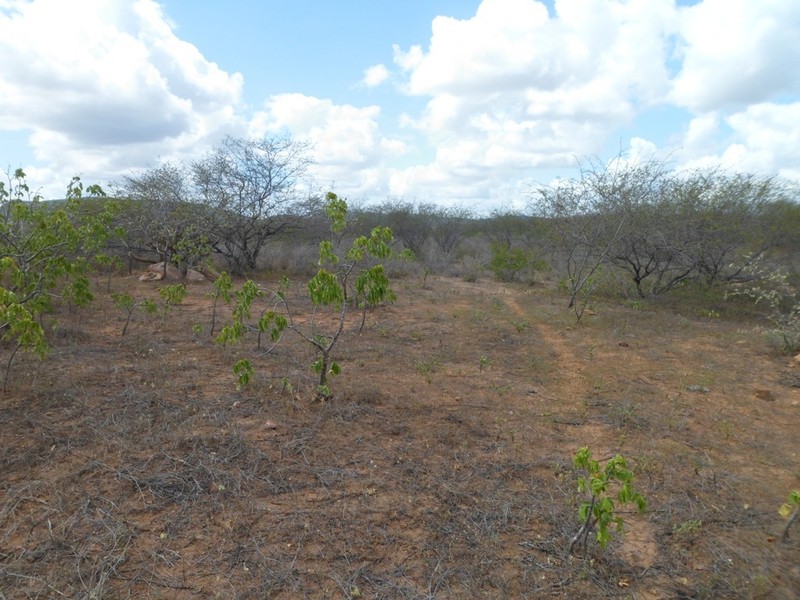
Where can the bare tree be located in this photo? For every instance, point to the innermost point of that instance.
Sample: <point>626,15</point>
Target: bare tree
<point>449,226</point>
<point>583,234</point>
<point>411,224</point>
<point>662,228</point>
<point>705,226</point>
<point>652,247</point>
<point>251,186</point>
<point>160,216</point>
<point>731,221</point>
<point>505,228</point>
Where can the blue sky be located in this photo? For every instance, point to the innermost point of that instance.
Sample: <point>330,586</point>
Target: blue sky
<point>459,102</point>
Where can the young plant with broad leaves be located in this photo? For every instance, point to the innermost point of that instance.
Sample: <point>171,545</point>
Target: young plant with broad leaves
<point>129,304</point>
<point>345,280</point>
<point>606,488</point>
<point>46,251</point>
<point>173,295</point>
<point>223,288</point>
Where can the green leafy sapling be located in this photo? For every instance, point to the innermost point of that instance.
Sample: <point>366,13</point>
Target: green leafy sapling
<point>242,313</point>
<point>329,287</point>
<point>127,303</point>
<point>270,321</point>
<point>223,287</point>
<point>150,307</point>
<point>342,281</point>
<point>242,309</point>
<point>598,511</point>
<point>47,250</point>
<point>173,294</point>
<point>243,369</point>
<point>790,510</point>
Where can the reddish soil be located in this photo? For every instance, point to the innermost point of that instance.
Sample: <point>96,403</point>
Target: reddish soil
<point>442,467</point>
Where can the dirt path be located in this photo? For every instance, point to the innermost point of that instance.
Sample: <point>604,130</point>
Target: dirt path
<point>572,388</point>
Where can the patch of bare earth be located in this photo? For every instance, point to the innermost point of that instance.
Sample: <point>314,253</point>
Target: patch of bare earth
<point>132,467</point>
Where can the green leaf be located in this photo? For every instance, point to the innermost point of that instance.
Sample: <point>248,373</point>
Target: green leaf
<point>150,307</point>
<point>243,369</point>
<point>324,289</point>
<point>583,511</point>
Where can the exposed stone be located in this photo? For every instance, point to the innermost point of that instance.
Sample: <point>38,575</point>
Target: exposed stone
<point>173,274</point>
<point>208,271</point>
<point>148,276</point>
<point>155,272</point>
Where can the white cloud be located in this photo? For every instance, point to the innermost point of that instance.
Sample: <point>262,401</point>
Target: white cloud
<point>763,138</point>
<point>515,88</point>
<point>737,52</point>
<point>702,132</point>
<point>375,75</point>
<point>771,136</point>
<point>410,59</point>
<point>109,85</point>
<point>767,124</point>
<point>517,91</point>
<point>347,146</point>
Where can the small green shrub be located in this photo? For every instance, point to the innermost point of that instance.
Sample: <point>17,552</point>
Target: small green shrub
<point>223,287</point>
<point>127,303</point>
<point>243,369</point>
<point>514,264</point>
<point>687,527</point>
<point>520,325</point>
<point>598,511</point>
<point>173,294</point>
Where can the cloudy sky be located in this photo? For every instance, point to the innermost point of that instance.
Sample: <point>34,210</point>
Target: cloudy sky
<point>460,102</point>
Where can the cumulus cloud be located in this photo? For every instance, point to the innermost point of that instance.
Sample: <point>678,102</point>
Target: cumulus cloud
<point>517,88</point>
<point>108,84</point>
<point>375,75</point>
<point>737,52</point>
<point>346,143</point>
<point>759,139</point>
<point>702,132</point>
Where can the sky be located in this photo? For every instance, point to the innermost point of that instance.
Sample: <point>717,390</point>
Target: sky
<point>463,103</point>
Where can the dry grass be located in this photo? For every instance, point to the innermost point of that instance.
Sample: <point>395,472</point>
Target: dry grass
<point>132,468</point>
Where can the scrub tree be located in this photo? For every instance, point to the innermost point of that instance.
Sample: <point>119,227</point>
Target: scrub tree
<point>46,251</point>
